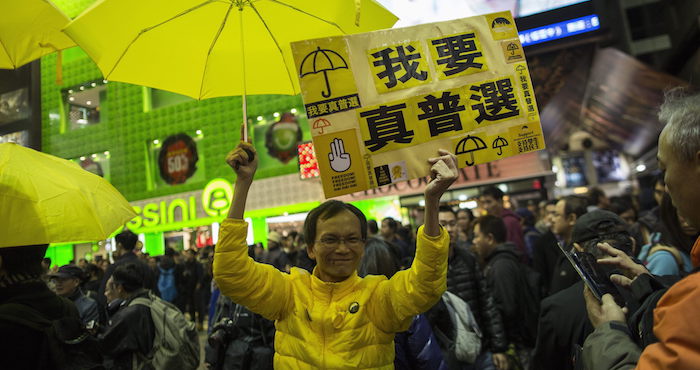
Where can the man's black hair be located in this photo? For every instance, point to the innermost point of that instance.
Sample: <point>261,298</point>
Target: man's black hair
<point>327,210</point>
<point>24,259</point>
<point>372,226</point>
<point>393,225</point>
<point>129,276</point>
<point>446,208</point>
<point>575,204</point>
<point>493,192</point>
<point>127,239</point>
<point>594,195</point>
<point>493,225</point>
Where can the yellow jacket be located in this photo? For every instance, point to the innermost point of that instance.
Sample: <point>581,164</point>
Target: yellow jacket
<point>345,325</point>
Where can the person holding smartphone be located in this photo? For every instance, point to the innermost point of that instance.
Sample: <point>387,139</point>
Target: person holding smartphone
<point>332,318</point>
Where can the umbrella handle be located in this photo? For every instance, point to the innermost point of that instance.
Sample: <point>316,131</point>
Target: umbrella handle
<point>328,86</point>
<point>251,156</point>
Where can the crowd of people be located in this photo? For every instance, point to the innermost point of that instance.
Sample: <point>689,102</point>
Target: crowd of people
<point>495,290</point>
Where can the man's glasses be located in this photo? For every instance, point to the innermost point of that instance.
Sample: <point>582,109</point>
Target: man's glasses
<point>332,241</point>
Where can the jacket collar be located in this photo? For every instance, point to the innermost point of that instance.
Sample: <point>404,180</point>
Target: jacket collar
<point>324,290</point>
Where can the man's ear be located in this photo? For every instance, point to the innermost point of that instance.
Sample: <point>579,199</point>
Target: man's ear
<point>571,218</point>
<point>491,239</point>
<point>310,251</point>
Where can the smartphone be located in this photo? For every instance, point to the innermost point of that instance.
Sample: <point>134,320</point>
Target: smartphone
<point>595,276</point>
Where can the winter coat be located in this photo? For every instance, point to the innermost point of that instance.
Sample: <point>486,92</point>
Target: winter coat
<point>544,257</point>
<point>87,307</point>
<point>514,231</point>
<point>344,325</point>
<point>563,324</point>
<point>676,326</point>
<point>465,280</point>
<point>417,348</point>
<point>21,344</point>
<point>130,331</point>
<point>507,280</point>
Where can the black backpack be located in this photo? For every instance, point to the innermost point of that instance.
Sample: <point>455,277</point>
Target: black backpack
<point>70,346</point>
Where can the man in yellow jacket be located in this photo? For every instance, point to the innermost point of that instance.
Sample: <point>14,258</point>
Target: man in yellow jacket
<point>332,318</point>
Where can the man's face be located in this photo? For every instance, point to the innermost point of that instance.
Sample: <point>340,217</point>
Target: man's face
<point>386,230</point>
<point>482,243</point>
<point>550,210</point>
<point>491,205</point>
<point>449,222</point>
<point>338,247</point>
<point>463,220</point>
<point>560,224</point>
<point>65,286</point>
<point>681,181</point>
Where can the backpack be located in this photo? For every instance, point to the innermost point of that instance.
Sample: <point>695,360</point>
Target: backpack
<point>464,342</point>
<point>176,343</point>
<point>70,346</point>
<point>166,284</point>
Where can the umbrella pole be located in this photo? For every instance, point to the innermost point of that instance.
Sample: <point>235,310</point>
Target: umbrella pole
<point>245,105</point>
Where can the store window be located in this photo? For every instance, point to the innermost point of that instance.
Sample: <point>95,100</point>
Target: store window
<point>18,137</point>
<point>97,163</point>
<point>82,103</point>
<point>14,105</point>
<point>175,160</point>
<point>162,98</point>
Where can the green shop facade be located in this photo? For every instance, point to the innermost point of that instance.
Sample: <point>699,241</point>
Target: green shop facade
<point>118,131</point>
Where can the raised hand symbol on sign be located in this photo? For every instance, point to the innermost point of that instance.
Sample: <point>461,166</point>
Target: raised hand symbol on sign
<point>340,160</point>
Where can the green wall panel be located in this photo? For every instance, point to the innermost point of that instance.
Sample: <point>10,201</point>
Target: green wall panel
<point>60,254</point>
<point>128,124</point>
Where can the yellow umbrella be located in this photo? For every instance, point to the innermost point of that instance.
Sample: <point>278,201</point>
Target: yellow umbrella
<point>46,199</point>
<point>30,29</point>
<point>209,48</point>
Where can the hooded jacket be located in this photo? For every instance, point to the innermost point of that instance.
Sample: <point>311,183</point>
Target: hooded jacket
<point>676,326</point>
<point>514,232</point>
<point>508,281</point>
<point>345,325</point>
<point>465,280</point>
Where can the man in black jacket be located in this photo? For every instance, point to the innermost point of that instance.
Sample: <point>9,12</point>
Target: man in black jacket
<point>464,279</point>
<point>125,244</point>
<point>131,332</point>
<point>507,278</point>
<point>563,323</point>
<point>20,283</point>
<point>566,212</point>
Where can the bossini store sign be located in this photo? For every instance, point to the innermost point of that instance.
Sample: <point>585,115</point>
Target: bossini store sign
<point>176,210</point>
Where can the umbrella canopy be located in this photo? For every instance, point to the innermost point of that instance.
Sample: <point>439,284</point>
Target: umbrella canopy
<point>46,199</point>
<point>209,48</point>
<point>30,29</point>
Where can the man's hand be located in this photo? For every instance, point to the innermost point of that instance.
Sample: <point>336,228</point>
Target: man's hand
<point>601,312</point>
<point>622,261</point>
<point>239,159</point>
<point>500,360</point>
<point>443,173</point>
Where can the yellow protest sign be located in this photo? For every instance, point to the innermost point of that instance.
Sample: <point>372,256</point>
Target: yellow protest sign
<point>381,103</point>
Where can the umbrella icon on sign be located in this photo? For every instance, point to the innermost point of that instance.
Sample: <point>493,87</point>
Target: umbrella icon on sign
<point>499,144</point>
<point>469,145</point>
<point>322,61</point>
<point>320,124</point>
